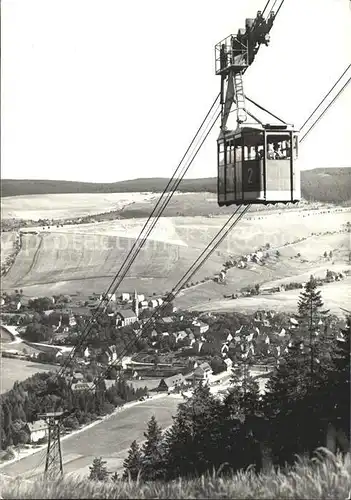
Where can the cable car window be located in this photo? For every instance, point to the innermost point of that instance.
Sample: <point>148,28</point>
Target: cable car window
<point>221,180</point>
<point>220,153</point>
<point>295,147</point>
<point>249,153</point>
<point>259,153</point>
<point>238,153</point>
<point>278,147</point>
<point>230,152</point>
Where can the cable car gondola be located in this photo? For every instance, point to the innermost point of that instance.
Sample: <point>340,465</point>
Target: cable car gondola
<point>257,164</point>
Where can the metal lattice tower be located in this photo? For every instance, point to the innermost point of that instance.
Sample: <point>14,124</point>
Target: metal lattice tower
<point>53,465</point>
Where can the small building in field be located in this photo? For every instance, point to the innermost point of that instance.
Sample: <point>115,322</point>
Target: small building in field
<point>171,383</point>
<point>37,430</point>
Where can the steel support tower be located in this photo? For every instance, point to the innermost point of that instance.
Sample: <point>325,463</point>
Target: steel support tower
<point>53,465</point>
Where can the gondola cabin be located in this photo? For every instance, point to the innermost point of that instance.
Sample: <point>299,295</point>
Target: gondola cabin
<point>258,164</point>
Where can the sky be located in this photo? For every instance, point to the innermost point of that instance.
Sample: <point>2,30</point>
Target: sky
<point>113,90</point>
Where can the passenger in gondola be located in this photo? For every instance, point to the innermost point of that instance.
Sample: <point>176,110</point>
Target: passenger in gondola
<point>271,152</point>
<point>260,154</point>
<point>278,154</point>
<point>287,149</point>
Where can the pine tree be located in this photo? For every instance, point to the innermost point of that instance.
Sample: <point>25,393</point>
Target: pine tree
<point>339,381</point>
<point>133,463</point>
<point>98,470</point>
<point>193,444</point>
<point>152,451</point>
<point>313,322</point>
<point>244,391</point>
<point>179,459</point>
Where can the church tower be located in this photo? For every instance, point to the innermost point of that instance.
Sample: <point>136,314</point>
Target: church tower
<point>136,304</point>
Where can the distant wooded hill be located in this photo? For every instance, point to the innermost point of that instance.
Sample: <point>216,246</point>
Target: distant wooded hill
<point>323,184</point>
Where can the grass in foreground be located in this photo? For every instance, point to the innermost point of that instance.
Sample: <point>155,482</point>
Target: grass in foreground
<point>325,477</point>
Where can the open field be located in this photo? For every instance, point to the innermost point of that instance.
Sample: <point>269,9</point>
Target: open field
<point>7,246</point>
<point>13,370</point>
<point>54,206</point>
<point>84,258</point>
<point>109,439</point>
<point>335,295</point>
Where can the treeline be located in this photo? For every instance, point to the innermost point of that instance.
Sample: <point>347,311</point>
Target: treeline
<point>307,404</point>
<point>246,429</point>
<point>325,184</point>
<point>45,392</point>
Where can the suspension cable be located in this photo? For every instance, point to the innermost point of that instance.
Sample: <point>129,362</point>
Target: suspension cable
<point>264,109</point>
<point>85,334</point>
<point>325,97</point>
<point>326,109</point>
<point>280,6</point>
<point>144,238</point>
<point>264,10</point>
<point>185,278</point>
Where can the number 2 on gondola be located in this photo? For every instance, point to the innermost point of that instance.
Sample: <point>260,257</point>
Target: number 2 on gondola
<point>251,178</point>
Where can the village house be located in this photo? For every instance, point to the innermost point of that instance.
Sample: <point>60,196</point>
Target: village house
<point>125,297</point>
<point>68,317</point>
<point>229,364</point>
<point>37,430</point>
<point>125,317</point>
<point>83,312</point>
<point>200,327</point>
<point>203,372</point>
<point>181,335</point>
<point>153,303</point>
<point>167,320</point>
<point>171,383</point>
<point>144,304</point>
<point>109,355</point>
<point>78,377</point>
<point>83,386</point>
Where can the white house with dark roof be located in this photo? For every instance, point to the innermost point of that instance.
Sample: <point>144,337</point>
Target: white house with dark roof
<point>125,317</point>
<point>37,430</point>
<point>203,372</point>
<point>171,383</point>
<point>83,386</point>
<point>200,327</point>
<point>167,319</point>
